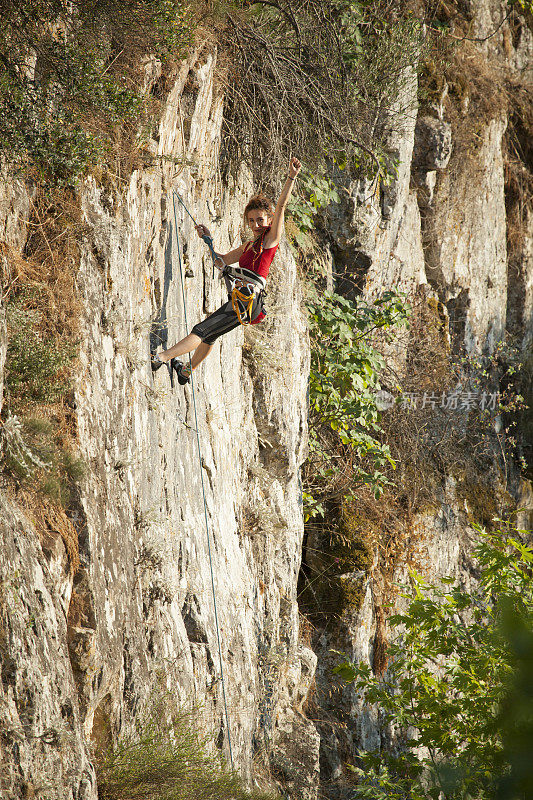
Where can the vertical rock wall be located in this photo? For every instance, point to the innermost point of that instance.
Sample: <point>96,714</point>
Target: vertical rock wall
<point>137,620</point>
<point>83,656</point>
<point>444,232</point>
<point>43,752</point>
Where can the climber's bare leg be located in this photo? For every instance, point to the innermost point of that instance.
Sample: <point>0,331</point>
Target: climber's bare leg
<point>191,342</point>
<point>201,352</point>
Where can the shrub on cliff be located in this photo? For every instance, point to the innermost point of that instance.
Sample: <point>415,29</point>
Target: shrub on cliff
<point>455,702</point>
<point>71,77</point>
<point>167,759</point>
<point>345,450</point>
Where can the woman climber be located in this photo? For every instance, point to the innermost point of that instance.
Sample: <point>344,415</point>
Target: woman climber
<point>245,282</point>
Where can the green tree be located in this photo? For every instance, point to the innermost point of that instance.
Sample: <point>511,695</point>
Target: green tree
<point>344,420</point>
<point>70,77</point>
<point>456,699</point>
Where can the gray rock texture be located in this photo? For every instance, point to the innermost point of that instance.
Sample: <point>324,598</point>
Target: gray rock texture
<point>466,253</point>
<point>365,224</point>
<point>43,752</point>
<point>500,32</point>
<point>138,618</point>
<point>147,547</point>
<point>82,656</point>
<point>433,144</point>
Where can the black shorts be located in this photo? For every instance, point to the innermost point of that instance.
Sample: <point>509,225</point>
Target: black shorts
<point>221,321</point>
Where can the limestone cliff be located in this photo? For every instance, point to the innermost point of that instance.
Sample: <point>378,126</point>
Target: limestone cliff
<point>84,651</point>
<point>443,233</point>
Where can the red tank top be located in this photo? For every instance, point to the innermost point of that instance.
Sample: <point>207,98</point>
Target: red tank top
<point>257,259</point>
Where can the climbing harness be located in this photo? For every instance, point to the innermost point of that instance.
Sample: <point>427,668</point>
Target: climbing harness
<point>201,461</point>
<point>242,301</point>
<point>246,290</point>
<point>207,239</point>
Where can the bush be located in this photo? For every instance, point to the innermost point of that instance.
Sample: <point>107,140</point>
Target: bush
<point>36,365</point>
<point>168,760</point>
<point>343,384</point>
<point>34,455</point>
<point>314,193</point>
<point>35,445</point>
<point>455,701</point>
<point>70,74</point>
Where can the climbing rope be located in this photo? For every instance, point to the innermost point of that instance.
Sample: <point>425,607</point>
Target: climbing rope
<point>209,243</point>
<point>207,239</point>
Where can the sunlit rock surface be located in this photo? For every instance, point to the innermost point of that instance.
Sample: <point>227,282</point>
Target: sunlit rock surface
<point>139,616</point>
<point>82,656</point>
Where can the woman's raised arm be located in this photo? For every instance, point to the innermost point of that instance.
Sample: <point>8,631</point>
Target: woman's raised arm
<point>276,229</point>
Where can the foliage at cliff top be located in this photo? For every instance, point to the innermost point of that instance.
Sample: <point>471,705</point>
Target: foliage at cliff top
<point>71,77</point>
<point>456,702</point>
<point>73,91</point>
<point>322,78</point>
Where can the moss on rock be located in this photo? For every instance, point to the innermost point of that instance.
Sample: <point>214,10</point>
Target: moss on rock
<point>343,559</point>
<point>482,501</point>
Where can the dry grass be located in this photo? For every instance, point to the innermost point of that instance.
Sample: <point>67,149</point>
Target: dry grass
<point>43,311</point>
<point>46,272</point>
<point>305,630</point>
<point>429,365</point>
<point>50,519</point>
<point>47,495</point>
<point>476,93</point>
<point>167,758</point>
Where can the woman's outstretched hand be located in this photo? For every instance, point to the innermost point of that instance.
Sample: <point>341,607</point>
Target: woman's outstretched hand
<point>294,167</point>
<point>203,230</point>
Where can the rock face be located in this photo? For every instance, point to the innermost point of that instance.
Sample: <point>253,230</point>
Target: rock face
<point>466,253</point>
<point>433,144</point>
<point>138,616</point>
<point>445,234</point>
<point>42,747</point>
<point>147,543</point>
<point>366,222</point>
<point>162,523</point>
